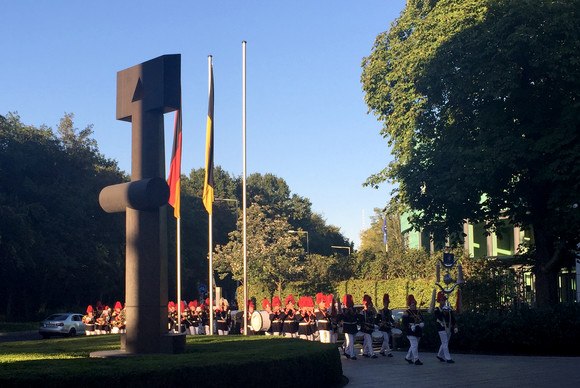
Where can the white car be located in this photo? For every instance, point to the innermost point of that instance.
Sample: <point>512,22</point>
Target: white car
<point>65,324</point>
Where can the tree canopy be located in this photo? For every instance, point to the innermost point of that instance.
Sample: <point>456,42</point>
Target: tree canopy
<point>57,246</point>
<point>480,104</point>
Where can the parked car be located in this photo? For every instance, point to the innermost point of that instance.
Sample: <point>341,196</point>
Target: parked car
<point>64,324</point>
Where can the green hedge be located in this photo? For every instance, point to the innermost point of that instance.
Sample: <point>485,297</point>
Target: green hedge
<point>398,289</point>
<point>526,331</point>
<point>209,361</point>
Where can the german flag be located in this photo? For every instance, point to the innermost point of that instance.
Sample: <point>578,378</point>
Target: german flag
<point>208,195</point>
<point>174,180</point>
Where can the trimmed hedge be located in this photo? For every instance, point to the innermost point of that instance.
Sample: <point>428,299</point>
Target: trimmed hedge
<point>526,331</point>
<point>212,361</point>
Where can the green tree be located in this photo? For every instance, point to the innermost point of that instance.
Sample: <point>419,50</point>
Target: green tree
<point>54,237</point>
<point>274,256</point>
<point>479,101</point>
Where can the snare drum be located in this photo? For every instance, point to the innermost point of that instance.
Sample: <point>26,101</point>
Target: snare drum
<point>377,336</point>
<point>89,329</point>
<point>260,320</point>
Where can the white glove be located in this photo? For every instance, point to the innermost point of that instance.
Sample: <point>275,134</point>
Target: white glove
<point>413,327</point>
<point>421,324</point>
<point>455,330</point>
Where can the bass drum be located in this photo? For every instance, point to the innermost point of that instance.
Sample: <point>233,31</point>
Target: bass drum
<point>377,336</point>
<point>260,320</point>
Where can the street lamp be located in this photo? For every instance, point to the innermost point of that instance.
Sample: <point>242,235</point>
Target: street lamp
<point>307,242</point>
<point>341,247</point>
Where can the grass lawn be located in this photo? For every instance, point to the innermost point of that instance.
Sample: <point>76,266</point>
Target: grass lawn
<point>210,360</point>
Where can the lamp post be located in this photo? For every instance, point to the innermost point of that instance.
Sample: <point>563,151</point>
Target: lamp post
<point>307,242</point>
<point>341,247</point>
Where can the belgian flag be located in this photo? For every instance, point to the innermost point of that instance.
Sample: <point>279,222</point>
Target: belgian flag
<point>208,195</point>
<point>174,180</point>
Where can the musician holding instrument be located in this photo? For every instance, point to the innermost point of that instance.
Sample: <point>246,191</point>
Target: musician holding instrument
<point>323,318</point>
<point>445,323</point>
<point>368,314</point>
<point>276,316</point>
<point>413,323</point>
<point>290,325</point>
<point>349,320</point>
<point>385,322</point>
<point>223,319</point>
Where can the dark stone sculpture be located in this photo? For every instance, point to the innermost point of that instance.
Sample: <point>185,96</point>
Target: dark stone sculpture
<point>144,93</point>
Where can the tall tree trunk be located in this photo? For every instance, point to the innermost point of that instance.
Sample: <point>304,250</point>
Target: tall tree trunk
<point>547,267</point>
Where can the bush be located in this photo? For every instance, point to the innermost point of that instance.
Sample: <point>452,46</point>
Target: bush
<point>523,331</point>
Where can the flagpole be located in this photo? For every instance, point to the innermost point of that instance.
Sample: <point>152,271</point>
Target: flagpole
<point>210,225</point>
<point>179,312</point>
<point>244,186</point>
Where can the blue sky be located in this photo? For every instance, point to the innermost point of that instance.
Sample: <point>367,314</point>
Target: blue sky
<point>306,118</point>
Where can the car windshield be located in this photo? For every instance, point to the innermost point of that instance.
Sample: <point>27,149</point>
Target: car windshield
<point>57,317</point>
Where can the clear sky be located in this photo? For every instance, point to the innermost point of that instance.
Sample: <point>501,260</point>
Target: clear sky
<point>306,118</point>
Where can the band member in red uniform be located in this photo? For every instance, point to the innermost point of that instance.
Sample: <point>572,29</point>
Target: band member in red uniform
<point>413,323</point>
<point>290,325</point>
<point>276,316</point>
<point>385,322</point>
<point>89,321</point>
<point>368,314</point>
<point>445,323</point>
<point>118,320</point>
<point>250,312</point>
<point>323,318</point>
<point>193,317</point>
<point>348,319</point>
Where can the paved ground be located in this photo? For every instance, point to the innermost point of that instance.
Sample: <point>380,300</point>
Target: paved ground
<point>468,371</point>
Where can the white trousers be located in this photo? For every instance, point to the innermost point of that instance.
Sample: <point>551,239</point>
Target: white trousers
<point>414,348</point>
<point>223,332</point>
<point>325,336</point>
<point>385,346</point>
<point>444,348</point>
<point>349,344</point>
<point>368,345</point>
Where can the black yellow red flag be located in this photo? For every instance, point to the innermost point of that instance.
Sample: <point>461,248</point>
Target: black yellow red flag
<point>208,194</point>
<point>174,180</point>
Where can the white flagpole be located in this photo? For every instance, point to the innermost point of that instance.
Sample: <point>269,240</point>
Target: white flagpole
<point>210,232</point>
<point>179,272</point>
<point>244,186</point>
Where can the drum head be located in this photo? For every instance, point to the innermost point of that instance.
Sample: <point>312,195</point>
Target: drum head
<point>256,321</point>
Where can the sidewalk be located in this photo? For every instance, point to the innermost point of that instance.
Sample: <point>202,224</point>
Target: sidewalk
<point>468,371</point>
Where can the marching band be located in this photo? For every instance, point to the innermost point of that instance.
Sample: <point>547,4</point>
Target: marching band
<point>307,322</point>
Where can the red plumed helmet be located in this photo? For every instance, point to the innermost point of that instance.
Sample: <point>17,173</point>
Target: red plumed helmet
<point>347,300</point>
<point>90,309</point>
<point>265,304</point>
<point>310,302</point>
<point>118,306</point>
<point>386,299</point>
<point>302,302</point>
<point>207,301</point>
<point>320,297</point>
<point>329,300</point>
<point>440,297</point>
<point>289,299</point>
<point>250,304</point>
<point>411,300</point>
<point>170,304</point>
<point>192,304</point>
<point>276,301</point>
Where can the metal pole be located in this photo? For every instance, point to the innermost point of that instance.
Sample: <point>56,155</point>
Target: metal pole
<point>244,203</point>
<point>179,312</point>
<point>210,226</point>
